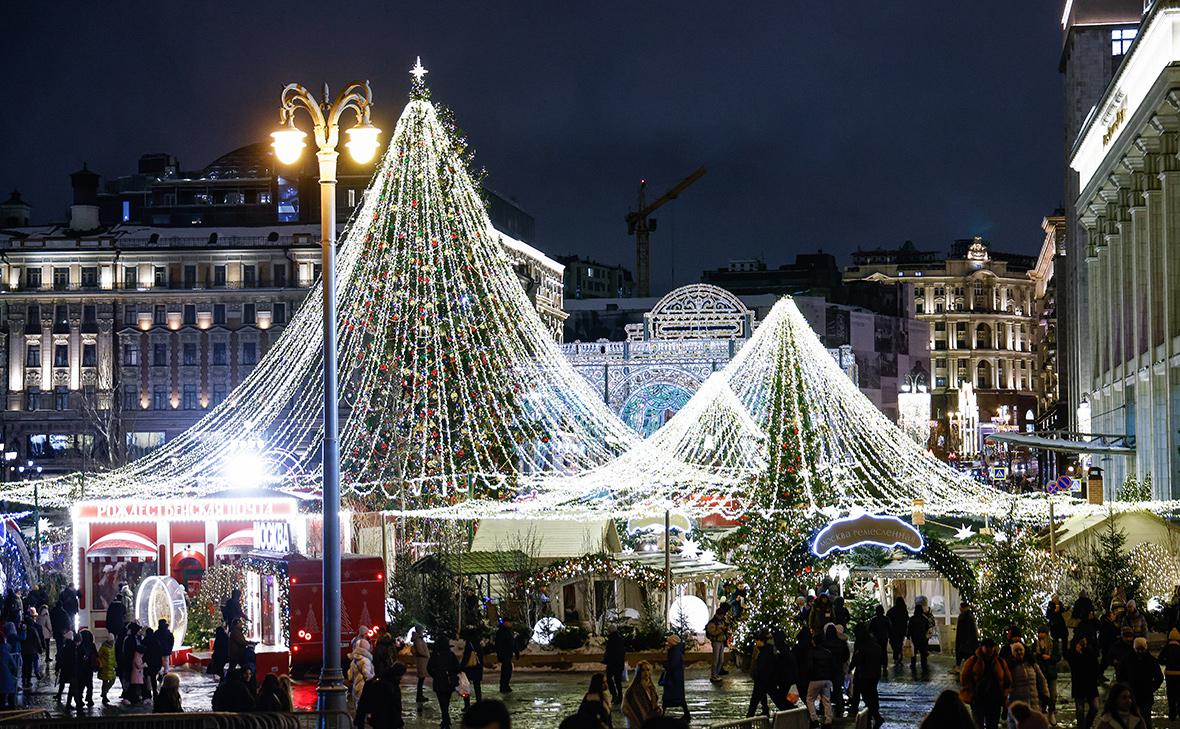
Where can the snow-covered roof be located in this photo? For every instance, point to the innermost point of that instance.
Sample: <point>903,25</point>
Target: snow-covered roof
<point>547,539</point>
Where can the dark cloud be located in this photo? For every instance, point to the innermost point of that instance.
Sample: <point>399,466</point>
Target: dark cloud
<point>830,125</point>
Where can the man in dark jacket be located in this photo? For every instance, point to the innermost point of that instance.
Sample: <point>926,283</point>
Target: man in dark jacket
<point>879,629</point>
<point>1083,679</point>
<point>1141,671</point>
<point>866,666</point>
<point>899,620</point>
<point>30,649</point>
<point>116,617</point>
<point>840,614</point>
<point>59,621</point>
<point>838,647</point>
<point>1082,607</point>
<point>918,631</point>
<point>966,635</point>
<point>443,668</point>
<point>821,666</point>
<point>166,641</point>
<point>1118,652</point>
<point>124,655</point>
<point>786,671</point>
<point>763,671</point>
<point>1108,636</point>
<point>233,694</point>
<point>69,602</point>
<point>231,609</point>
<point>506,651</point>
<point>615,660</point>
<point>380,703</point>
<point>821,614</point>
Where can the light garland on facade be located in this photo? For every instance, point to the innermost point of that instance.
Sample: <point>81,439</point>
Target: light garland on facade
<point>598,565</point>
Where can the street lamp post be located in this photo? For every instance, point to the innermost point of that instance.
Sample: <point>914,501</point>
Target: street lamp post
<point>362,144</point>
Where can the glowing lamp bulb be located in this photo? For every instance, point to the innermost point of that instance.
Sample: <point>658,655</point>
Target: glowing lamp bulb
<point>288,142</point>
<point>362,142</point>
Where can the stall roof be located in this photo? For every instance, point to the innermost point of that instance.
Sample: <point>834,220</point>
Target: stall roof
<point>475,563</point>
<point>1140,527</point>
<point>684,569</point>
<point>547,539</point>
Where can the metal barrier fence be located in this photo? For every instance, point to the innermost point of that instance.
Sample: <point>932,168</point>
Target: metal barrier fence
<point>40,719</point>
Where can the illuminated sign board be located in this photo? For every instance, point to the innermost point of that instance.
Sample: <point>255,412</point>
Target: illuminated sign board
<point>272,536</point>
<point>186,510</point>
<point>881,530</point>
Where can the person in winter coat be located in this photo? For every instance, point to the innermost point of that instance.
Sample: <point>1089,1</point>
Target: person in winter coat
<point>271,694</point>
<point>506,651</point>
<point>674,676</point>
<point>237,643</point>
<point>381,703</point>
<point>1134,619</point>
<point>1023,716</point>
<point>879,629</point>
<point>220,655</point>
<point>360,669</point>
<point>1141,671</point>
<point>1119,651</point>
<point>85,664</point>
<point>1088,627</point>
<point>821,666</point>
<point>837,645</point>
<point>1047,655</point>
<point>231,609</point>
<point>840,614</point>
<point>717,631</point>
<point>966,635</point>
<point>1058,630</point>
<point>1169,658</point>
<point>138,692</point>
<point>444,677</point>
<point>899,620</point>
<point>614,657</point>
<point>948,712</point>
<point>1108,636</point>
<point>67,652</point>
<point>59,620</point>
<point>168,700</point>
<point>1028,683</point>
<point>9,676</point>
<point>821,614</point>
<point>166,642</point>
<point>1083,675</point>
<point>985,681</point>
<point>762,671</point>
<point>233,694</point>
<point>106,667</point>
<point>30,651</point>
<point>69,602</point>
<point>1082,607</point>
<point>641,702</point>
<point>596,703</point>
<point>116,617</point>
<point>153,663</point>
<point>918,631</point>
<point>46,626</point>
<point>384,654</point>
<point>421,654</point>
<point>12,636</point>
<point>124,655</point>
<point>1120,711</point>
<point>786,672</point>
<point>801,649</point>
<point>472,664</point>
<point>866,665</point>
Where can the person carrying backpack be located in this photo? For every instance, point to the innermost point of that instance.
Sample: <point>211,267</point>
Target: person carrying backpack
<point>985,682</point>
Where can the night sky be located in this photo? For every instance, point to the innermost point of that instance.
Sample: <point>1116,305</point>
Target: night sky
<point>822,125</point>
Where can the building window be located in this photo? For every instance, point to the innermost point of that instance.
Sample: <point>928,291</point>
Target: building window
<point>141,443</point>
<point>188,397</point>
<point>130,315</point>
<point>89,277</point>
<point>235,198</point>
<point>61,278</point>
<point>352,197</point>
<point>130,277</point>
<point>248,315</point>
<point>33,398</point>
<point>61,318</point>
<point>190,277</point>
<point>264,198</point>
<point>940,363</point>
<point>61,398</point>
<point>249,353</point>
<point>219,314</point>
<point>161,276</point>
<point>130,399</point>
<point>89,314</point>
<point>160,397</point>
<point>940,382</point>
<point>1120,40</point>
<point>61,355</point>
<point>33,278</point>
<point>218,394</point>
<point>219,354</point>
<point>159,315</point>
<point>33,355</point>
<point>131,355</point>
<point>126,210</point>
<point>940,326</point>
<point>89,355</point>
<point>33,316</point>
<point>279,310</point>
<point>159,354</point>
<point>190,313</point>
<point>280,275</point>
<point>921,307</point>
<point>219,275</point>
<point>249,276</point>
<point>190,354</point>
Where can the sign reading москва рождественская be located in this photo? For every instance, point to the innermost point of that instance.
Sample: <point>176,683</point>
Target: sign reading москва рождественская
<point>882,530</point>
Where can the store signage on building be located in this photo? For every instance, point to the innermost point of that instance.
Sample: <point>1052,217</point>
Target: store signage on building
<point>190,510</point>
<point>881,530</point>
<point>272,536</point>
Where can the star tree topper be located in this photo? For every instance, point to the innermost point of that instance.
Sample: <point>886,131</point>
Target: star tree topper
<point>418,71</point>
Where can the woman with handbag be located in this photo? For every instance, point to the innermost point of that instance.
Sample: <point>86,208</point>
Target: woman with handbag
<point>472,664</point>
<point>673,678</point>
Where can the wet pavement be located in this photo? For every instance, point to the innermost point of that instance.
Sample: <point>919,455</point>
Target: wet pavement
<point>540,699</point>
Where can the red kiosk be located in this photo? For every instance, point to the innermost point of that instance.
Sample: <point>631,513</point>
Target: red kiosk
<point>284,601</point>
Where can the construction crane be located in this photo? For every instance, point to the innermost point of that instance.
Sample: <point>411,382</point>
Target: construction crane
<point>641,224</point>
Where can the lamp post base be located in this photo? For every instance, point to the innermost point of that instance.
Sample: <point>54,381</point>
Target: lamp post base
<point>331,697</point>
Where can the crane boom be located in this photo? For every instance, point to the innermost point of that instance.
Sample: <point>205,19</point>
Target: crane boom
<point>639,223</point>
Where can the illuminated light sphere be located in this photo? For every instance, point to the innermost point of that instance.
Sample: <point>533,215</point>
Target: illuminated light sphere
<point>691,610</point>
<point>362,142</point>
<point>161,597</point>
<point>544,629</point>
<point>288,143</point>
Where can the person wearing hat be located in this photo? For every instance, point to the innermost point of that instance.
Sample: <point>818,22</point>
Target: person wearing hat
<point>1170,659</point>
<point>1047,654</point>
<point>1141,671</point>
<point>673,678</point>
<point>1134,619</point>
<point>1119,651</point>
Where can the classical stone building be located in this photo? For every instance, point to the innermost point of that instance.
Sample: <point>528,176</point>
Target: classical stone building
<point>1128,210</point>
<point>980,309</point>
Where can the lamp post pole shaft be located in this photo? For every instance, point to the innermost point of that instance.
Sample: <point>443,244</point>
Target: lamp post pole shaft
<point>331,692</point>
